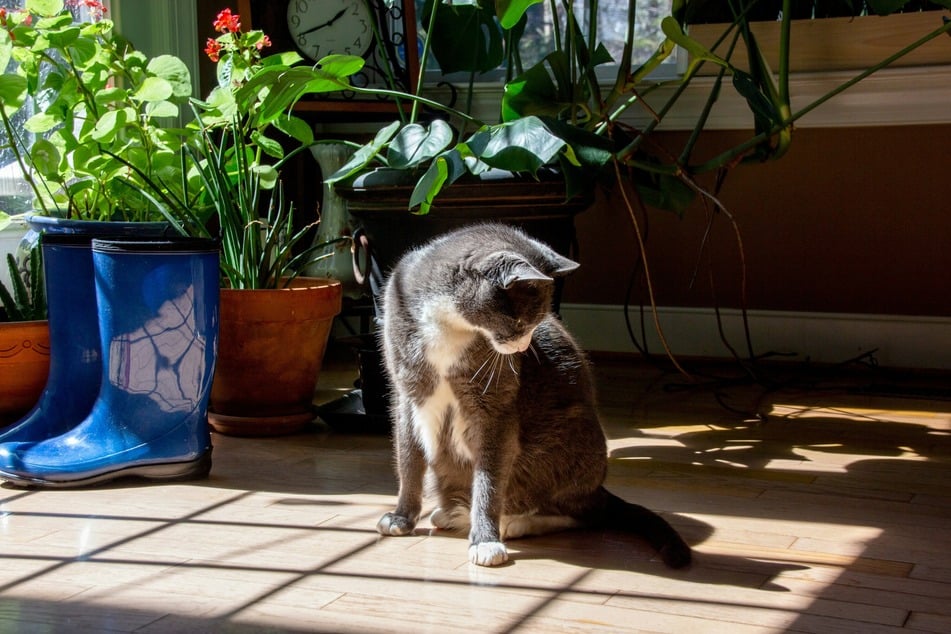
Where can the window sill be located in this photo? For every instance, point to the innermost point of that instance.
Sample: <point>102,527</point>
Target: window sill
<point>899,96</point>
<point>916,92</point>
<point>894,96</point>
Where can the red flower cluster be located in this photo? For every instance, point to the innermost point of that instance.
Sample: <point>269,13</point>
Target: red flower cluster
<point>227,22</point>
<point>27,20</point>
<point>96,8</point>
<point>213,49</point>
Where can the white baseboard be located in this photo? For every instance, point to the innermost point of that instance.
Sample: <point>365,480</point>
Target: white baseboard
<point>900,341</point>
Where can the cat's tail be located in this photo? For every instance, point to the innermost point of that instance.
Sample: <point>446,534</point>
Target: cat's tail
<point>622,515</point>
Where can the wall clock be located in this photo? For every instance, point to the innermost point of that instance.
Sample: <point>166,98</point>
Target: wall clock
<point>323,27</point>
<point>315,28</point>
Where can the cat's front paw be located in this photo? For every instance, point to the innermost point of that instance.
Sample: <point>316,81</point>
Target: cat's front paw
<point>393,524</point>
<point>488,554</point>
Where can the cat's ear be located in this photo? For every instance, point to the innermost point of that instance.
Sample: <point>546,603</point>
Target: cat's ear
<point>506,269</point>
<point>560,266</point>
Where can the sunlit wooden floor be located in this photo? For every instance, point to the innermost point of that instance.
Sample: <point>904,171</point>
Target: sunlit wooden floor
<point>831,515</point>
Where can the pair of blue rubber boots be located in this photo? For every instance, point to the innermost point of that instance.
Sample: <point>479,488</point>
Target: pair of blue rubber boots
<point>133,339</point>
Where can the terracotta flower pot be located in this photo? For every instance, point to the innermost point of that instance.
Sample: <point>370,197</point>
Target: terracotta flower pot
<point>24,366</point>
<point>270,349</point>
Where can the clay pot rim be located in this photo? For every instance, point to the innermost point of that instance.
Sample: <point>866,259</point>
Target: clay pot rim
<point>299,283</point>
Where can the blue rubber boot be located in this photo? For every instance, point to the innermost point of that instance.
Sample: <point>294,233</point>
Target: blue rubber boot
<point>158,328</point>
<point>75,366</point>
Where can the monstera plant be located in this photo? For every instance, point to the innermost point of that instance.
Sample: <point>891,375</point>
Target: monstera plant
<point>561,113</point>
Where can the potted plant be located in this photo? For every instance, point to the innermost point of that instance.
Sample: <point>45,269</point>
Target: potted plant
<point>80,105</point>
<point>106,149</point>
<point>274,322</point>
<point>24,338</point>
<point>561,115</point>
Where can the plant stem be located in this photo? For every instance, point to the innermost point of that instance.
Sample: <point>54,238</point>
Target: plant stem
<point>731,154</point>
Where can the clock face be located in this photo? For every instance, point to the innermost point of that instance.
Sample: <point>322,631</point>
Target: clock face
<point>323,27</point>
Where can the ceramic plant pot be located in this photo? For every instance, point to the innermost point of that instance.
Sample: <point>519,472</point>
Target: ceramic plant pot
<point>271,347</point>
<point>24,366</point>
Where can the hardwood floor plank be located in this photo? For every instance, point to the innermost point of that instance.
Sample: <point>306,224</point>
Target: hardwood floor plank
<point>832,516</point>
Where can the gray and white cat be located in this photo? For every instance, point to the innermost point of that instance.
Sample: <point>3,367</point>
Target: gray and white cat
<point>492,395</point>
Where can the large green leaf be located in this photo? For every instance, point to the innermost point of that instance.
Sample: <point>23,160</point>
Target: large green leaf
<point>416,144</point>
<point>590,149</point>
<point>267,175</point>
<point>288,85</point>
<point>153,89</point>
<point>45,157</point>
<point>532,92</point>
<point>511,11</point>
<point>366,154</point>
<point>175,72</point>
<point>443,171</point>
<point>465,36</point>
<point>161,109</point>
<point>523,145</point>
<point>12,92</point>
<point>41,123</point>
<point>84,50</point>
<point>109,124</point>
<point>296,128</point>
<point>44,7</point>
<point>270,147</point>
<point>63,37</point>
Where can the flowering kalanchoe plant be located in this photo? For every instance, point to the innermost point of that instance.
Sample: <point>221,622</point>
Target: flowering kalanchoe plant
<point>96,143</point>
<point>236,156</point>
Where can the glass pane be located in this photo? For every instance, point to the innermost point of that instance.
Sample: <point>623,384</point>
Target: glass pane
<point>538,39</point>
<point>15,193</point>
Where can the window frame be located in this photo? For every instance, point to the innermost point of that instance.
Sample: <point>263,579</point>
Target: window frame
<point>914,91</point>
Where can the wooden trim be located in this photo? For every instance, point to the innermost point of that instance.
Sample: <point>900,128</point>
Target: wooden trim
<point>833,44</point>
<point>899,341</point>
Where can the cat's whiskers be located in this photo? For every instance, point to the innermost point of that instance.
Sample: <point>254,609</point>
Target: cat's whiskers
<point>487,371</point>
<point>511,361</point>
<point>531,347</point>
<point>492,369</point>
<point>475,376</point>
<point>496,367</point>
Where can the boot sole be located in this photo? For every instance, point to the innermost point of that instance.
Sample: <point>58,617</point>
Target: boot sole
<point>162,472</point>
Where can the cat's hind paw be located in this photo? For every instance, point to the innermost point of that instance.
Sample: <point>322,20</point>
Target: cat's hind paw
<point>452,519</point>
<point>488,554</point>
<point>393,524</point>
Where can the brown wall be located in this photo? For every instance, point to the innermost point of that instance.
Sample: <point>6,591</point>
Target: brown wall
<point>850,220</point>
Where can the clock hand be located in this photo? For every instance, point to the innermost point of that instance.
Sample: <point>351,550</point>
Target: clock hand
<point>327,23</point>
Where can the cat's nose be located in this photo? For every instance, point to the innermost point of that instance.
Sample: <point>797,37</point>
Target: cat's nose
<point>524,343</point>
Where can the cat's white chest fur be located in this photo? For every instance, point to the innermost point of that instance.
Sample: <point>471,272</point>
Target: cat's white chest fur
<point>446,335</point>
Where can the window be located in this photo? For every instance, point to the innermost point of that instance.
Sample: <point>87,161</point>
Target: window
<point>538,39</point>
<point>612,28</point>
<point>15,194</point>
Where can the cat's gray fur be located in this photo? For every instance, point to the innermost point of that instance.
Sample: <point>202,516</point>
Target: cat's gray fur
<point>493,396</point>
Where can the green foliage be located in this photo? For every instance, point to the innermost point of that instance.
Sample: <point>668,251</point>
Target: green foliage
<point>94,99</point>
<point>257,249</point>
<point>108,149</point>
<point>26,301</point>
<point>558,113</point>
<point>241,135</point>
